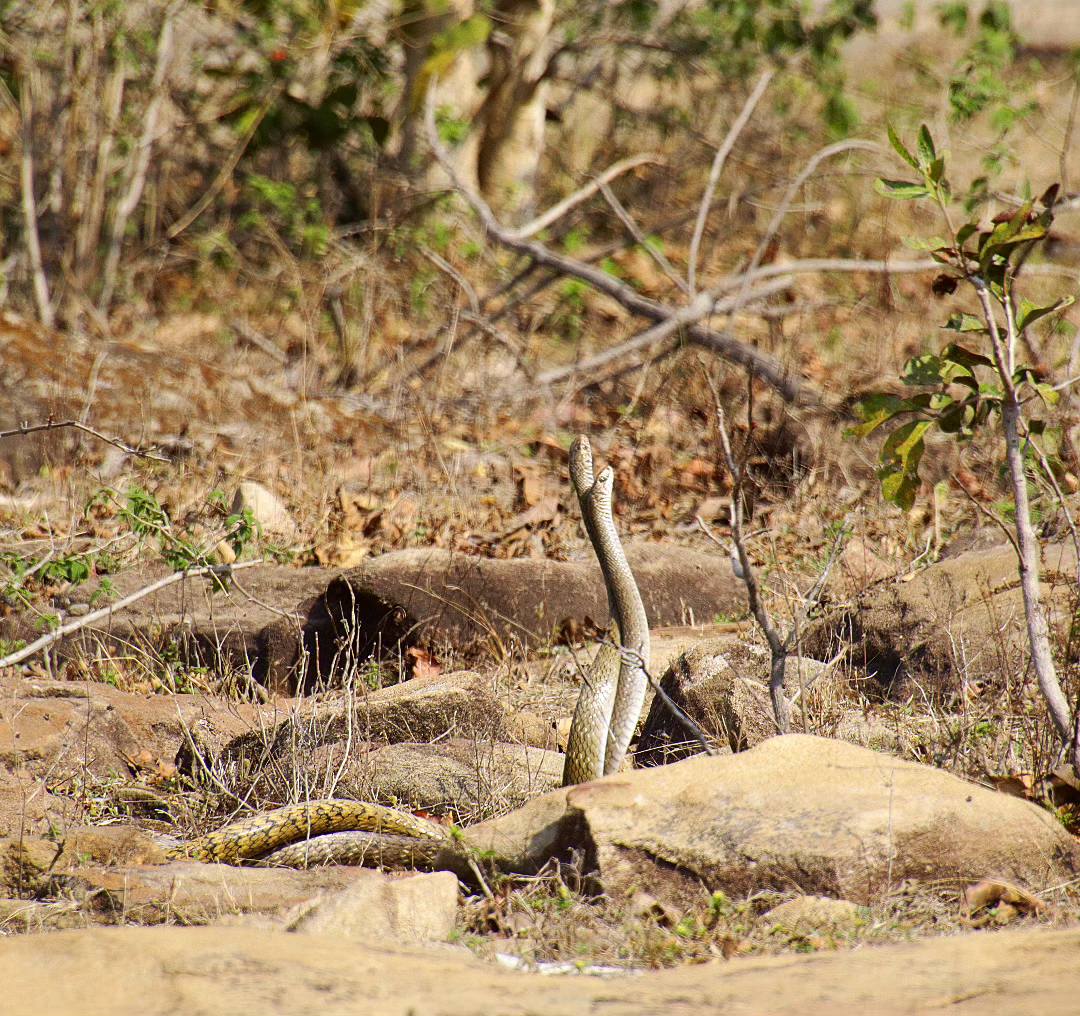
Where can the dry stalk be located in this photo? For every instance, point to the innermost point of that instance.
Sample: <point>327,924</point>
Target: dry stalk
<point>46,313</point>
<point>141,164</point>
<point>780,647</point>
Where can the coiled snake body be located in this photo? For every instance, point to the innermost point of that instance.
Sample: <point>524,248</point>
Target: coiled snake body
<point>608,708</point>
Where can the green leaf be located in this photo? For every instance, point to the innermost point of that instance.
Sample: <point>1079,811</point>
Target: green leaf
<point>876,409</point>
<point>900,457</point>
<point>958,419</point>
<point>901,190</point>
<point>967,357</point>
<point>965,323</point>
<point>927,155</point>
<point>925,244</point>
<point>1030,312</point>
<point>923,370</point>
<point>905,444</point>
<point>965,232</point>
<point>900,148</point>
<point>898,487</point>
<point>1047,393</point>
<point>1007,235</point>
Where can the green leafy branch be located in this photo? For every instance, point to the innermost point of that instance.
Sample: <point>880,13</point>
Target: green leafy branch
<point>965,387</point>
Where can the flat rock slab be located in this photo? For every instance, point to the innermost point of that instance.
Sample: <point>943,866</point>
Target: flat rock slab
<point>203,971</point>
<point>467,778</point>
<point>54,733</point>
<point>436,598</point>
<point>192,893</point>
<point>436,706</point>
<point>797,812</point>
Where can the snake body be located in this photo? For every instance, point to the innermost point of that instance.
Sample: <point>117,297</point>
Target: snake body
<point>613,691</point>
<point>260,835</point>
<point>608,708</point>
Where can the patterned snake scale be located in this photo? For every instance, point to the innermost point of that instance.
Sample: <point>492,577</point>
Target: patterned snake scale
<point>259,836</point>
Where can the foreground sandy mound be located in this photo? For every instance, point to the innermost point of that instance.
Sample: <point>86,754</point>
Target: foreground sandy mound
<point>196,971</point>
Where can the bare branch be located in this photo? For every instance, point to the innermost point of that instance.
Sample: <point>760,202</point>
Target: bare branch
<point>635,231</point>
<point>1038,630</point>
<point>811,265</point>
<point>758,363</point>
<point>137,181</point>
<point>33,428</point>
<point>29,204</point>
<point>719,159</point>
<point>98,615</point>
<point>556,212</point>
<point>702,305</point>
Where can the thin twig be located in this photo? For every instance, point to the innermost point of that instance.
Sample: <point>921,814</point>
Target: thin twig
<point>983,510</point>
<point>446,268</point>
<point>785,205</point>
<point>642,240</point>
<point>696,731</point>
<point>81,622</point>
<point>556,212</point>
<point>248,333</point>
<point>227,168</point>
<point>33,428</point>
<point>717,168</point>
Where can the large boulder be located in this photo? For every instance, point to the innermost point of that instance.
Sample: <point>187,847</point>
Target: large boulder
<point>962,615</point>
<point>295,629</point>
<point>802,813</point>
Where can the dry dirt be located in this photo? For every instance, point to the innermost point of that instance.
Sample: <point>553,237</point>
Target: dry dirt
<point>196,971</point>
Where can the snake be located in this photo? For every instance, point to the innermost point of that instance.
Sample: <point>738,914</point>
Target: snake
<point>268,836</point>
<point>335,831</point>
<point>613,689</point>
